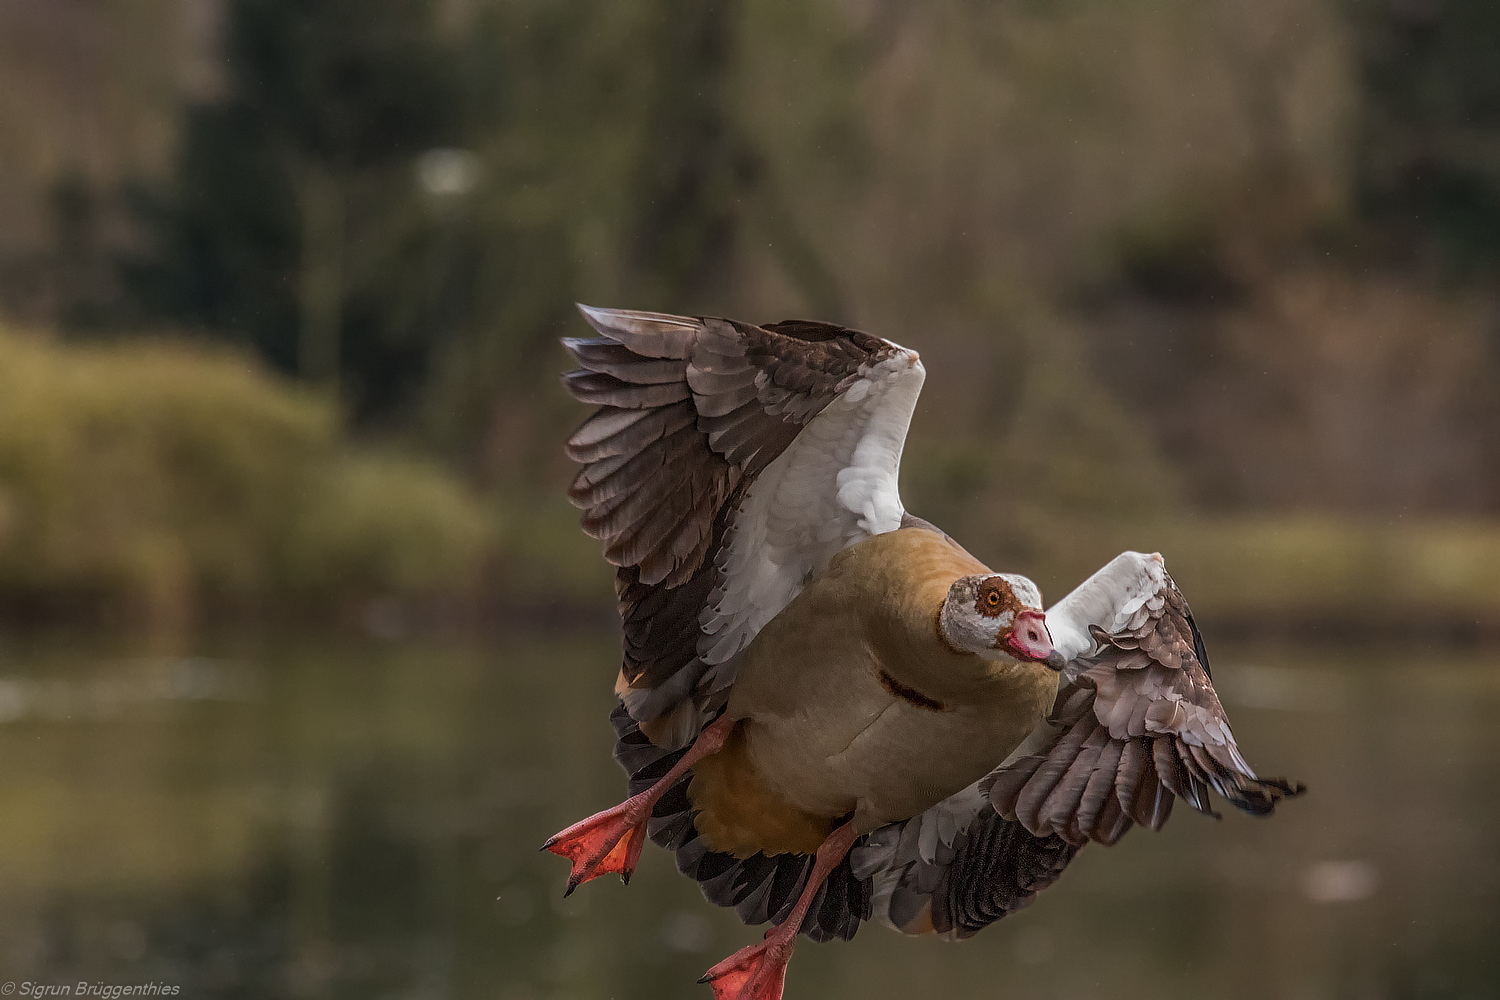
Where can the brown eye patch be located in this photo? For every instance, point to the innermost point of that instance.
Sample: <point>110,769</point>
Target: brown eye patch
<point>995,598</point>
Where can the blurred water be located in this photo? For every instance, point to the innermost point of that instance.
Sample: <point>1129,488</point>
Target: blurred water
<point>305,817</point>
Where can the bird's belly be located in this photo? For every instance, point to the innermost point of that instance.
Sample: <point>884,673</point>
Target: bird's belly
<point>862,749</point>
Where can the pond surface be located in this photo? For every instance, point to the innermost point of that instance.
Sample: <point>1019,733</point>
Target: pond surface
<point>335,817</point>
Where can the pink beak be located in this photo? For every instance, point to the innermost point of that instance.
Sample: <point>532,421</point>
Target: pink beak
<point>1029,639</point>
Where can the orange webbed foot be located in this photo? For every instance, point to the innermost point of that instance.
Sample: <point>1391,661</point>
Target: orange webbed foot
<point>754,973</point>
<point>609,841</point>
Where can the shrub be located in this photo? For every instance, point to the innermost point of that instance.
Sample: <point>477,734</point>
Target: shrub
<point>165,479</point>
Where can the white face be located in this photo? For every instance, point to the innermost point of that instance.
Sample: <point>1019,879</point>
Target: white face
<point>998,617</point>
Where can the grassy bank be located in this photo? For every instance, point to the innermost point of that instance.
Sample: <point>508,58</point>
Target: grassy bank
<point>162,482</point>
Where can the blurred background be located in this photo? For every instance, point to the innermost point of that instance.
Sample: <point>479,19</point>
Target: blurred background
<point>302,653</point>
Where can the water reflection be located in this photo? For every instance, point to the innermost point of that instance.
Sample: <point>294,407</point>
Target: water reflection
<point>338,818</point>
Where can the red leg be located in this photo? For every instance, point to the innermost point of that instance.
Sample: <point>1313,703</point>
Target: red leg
<point>611,841</point>
<point>758,972</point>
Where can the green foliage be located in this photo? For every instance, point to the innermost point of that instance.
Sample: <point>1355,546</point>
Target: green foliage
<point>390,523</point>
<point>161,480</point>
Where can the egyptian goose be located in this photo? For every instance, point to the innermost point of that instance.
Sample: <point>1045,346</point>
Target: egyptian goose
<point>829,710</point>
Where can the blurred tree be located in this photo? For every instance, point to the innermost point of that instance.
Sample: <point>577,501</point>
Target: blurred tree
<point>83,288</point>
<point>614,169</point>
<point>1429,164</point>
<point>292,214</point>
<point>696,163</point>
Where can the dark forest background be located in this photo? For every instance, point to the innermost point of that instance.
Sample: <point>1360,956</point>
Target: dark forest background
<point>1223,268</point>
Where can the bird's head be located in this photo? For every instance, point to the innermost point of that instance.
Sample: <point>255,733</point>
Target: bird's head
<point>999,617</point>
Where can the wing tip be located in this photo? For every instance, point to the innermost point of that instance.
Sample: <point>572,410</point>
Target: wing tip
<point>649,334</point>
<point>595,315</point>
<point>601,317</point>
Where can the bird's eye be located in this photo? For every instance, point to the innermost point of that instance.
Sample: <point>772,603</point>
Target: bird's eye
<point>993,599</point>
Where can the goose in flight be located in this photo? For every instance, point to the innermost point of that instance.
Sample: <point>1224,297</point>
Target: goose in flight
<point>828,709</point>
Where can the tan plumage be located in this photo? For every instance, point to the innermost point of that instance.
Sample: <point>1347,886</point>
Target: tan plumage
<point>825,734</point>
<point>739,812</point>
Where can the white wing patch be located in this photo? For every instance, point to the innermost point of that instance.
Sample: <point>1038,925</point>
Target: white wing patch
<point>834,485</point>
<point>1111,598</point>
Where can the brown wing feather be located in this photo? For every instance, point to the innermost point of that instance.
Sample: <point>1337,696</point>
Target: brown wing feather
<point>1148,691</point>
<point>690,410</point>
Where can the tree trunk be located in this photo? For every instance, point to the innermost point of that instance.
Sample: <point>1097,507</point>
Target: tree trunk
<point>322,280</point>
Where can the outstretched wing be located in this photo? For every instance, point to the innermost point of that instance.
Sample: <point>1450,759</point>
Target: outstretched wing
<point>725,466</point>
<point>956,868</point>
<point>1136,723</point>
